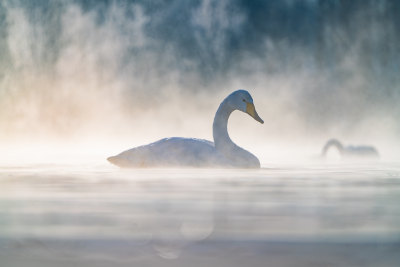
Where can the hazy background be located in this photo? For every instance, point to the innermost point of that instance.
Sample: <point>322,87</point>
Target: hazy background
<point>114,74</point>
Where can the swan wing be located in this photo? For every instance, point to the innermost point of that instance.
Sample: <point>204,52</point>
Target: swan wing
<point>167,152</point>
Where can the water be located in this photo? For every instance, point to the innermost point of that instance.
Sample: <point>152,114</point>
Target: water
<point>281,215</point>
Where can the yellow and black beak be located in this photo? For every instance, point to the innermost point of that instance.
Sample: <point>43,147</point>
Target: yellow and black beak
<point>251,110</point>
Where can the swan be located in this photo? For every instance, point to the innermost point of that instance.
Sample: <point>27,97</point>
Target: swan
<point>350,151</point>
<point>198,153</point>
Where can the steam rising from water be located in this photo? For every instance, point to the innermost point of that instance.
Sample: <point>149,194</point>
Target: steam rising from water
<point>125,73</point>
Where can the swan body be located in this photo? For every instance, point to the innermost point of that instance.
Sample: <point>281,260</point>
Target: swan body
<point>198,153</point>
<point>350,151</point>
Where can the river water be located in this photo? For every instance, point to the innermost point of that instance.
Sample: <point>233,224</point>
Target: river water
<point>311,214</point>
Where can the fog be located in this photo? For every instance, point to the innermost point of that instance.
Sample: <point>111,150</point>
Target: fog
<point>110,75</point>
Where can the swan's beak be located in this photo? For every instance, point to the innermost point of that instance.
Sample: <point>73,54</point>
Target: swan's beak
<point>251,110</point>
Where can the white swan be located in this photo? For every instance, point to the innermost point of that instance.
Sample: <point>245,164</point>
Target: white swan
<point>350,151</point>
<point>190,152</point>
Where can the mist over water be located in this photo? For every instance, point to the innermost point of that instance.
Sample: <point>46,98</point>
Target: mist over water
<point>121,73</point>
<point>84,80</point>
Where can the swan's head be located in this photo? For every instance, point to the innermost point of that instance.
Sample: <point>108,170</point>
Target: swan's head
<point>242,100</point>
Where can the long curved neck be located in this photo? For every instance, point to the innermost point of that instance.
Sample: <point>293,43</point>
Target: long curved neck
<point>335,143</point>
<point>220,127</point>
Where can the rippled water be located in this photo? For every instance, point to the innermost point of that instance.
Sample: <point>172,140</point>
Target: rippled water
<point>283,215</point>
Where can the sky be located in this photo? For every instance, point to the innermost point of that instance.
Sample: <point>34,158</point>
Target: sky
<point>125,73</point>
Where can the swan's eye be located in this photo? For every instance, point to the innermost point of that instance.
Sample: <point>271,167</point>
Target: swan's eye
<point>244,100</point>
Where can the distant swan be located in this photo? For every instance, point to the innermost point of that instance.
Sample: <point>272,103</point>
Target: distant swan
<point>190,152</point>
<point>350,151</point>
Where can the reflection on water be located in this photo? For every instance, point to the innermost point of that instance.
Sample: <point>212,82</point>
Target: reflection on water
<point>96,212</point>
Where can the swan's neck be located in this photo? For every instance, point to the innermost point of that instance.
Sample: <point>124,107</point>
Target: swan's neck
<point>222,140</point>
<point>233,154</point>
<point>334,143</point>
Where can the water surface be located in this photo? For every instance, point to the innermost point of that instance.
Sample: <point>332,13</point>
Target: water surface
<point>285,215</point>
